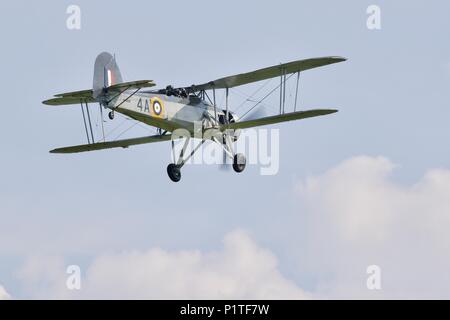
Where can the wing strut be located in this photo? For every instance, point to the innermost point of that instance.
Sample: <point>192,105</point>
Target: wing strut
<point>215,107</point>
<point>88,120</point>
<point>284,88</point>
<point>281,93</point>
<point>84,121</point>
<point>296,91</point>
<point>226,103</point>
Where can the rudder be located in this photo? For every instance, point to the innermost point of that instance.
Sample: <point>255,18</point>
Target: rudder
<point>106,73</point>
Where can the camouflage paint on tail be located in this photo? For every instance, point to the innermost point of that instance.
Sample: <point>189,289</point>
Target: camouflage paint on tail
<point>106,73</point>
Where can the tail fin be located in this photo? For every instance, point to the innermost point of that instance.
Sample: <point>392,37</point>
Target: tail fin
<point>106,73</point>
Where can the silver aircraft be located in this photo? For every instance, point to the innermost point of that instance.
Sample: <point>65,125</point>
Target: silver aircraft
<point>181,113</point>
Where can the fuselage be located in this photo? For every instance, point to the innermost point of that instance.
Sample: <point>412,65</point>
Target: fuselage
<point>170,112</point>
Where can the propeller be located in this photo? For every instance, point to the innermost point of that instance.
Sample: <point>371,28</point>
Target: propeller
<point>255,114</point>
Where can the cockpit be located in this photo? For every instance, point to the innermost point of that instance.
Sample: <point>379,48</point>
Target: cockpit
<point>175,92</point>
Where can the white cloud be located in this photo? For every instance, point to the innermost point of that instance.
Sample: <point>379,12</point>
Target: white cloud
<point>241,270</point>
<point>355,215</point>
<point>43,277</point>
<point>3,294</point>
<point>352,216</point>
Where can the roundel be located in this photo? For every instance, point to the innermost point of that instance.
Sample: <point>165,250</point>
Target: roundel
<point>157,107</point>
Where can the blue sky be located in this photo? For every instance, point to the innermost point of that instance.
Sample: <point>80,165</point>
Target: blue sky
<point>392,94</point>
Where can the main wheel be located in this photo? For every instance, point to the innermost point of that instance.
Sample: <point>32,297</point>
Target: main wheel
<point>111,115</point>
<point>239,162</point>
<point>174,172</point>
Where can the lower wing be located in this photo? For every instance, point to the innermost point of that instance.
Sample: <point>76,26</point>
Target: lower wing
<point>278,118</point>
<point>113,144</point>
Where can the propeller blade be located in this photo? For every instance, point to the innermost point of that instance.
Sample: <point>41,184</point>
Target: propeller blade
<point>255,114</point>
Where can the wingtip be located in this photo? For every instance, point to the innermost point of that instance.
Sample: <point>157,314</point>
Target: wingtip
<point>49,102</point>
<point>56,151</point>
<point>340,58</point>
<point>328,111</point>
<point>331,111</point>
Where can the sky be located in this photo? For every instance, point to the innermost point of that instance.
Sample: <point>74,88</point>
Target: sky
<point>366,186</point>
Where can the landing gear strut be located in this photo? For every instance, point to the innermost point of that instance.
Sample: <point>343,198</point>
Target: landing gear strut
<point>174,169</point>
<point>239,160</point>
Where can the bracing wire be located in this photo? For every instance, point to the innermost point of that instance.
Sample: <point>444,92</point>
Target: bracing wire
<point>267,95</point>
<point>125,131</point>
<point>125,119</point>
<point>248,98</point>
<point>101,119</point>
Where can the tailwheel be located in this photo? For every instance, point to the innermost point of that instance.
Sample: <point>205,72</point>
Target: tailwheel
<point>174,172</point>
<point>111,115</point>
<point>239,162</point>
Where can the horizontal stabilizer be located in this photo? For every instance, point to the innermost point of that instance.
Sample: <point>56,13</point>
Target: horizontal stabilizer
<point>87,95</point>
<point>76,94</point>
<point>131,85</point>
<point>71,98</point>
<point>113,144</point>
<point>278,118</point>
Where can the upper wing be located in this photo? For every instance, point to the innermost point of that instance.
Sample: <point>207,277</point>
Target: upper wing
<point>266,73</point>
<point>112,144</point>
<point>88,95</point>
<point>278,118</point>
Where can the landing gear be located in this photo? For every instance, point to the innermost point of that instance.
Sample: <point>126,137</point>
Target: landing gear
<point>174,169</point>
<point>239,162</point>
<point>111,115</point>
<point>174,172</point>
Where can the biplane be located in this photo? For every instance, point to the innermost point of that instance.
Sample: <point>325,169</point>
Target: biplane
<point>190,109</point>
